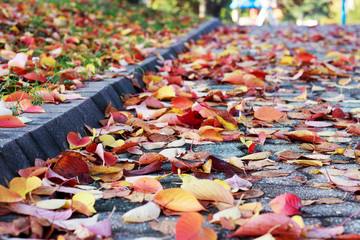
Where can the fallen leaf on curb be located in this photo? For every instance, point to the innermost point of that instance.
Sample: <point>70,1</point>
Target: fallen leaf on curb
<point>9,121</point>
<point>189,226</point>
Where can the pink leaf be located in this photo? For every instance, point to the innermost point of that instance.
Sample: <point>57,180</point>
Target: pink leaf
<point>38,212</point>
<point>287,204</point>
<point>18,61</point>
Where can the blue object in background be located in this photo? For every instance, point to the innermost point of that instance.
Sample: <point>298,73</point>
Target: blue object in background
<point>245,4</point>
<point>343,13</point>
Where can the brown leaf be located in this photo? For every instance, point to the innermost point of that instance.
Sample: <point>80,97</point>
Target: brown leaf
<point>271,174</point>
<point>166,227</point>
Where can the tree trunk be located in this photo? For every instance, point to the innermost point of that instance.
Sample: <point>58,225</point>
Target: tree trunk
<point>213,7</point>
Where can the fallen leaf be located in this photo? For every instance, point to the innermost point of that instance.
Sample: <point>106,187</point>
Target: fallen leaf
<point>147,212</point>
<point>8,195</point>
<point>9,121</point>
<point>268,114</point>
<point>166,227</point>
<point>147,185</point>
<point>177,199</point>
<point>189,226</point>
<point>205,189</point>
<point>275,224</point>
<point>24,185</point>
<point>287,204</point>
<point>75,142</point>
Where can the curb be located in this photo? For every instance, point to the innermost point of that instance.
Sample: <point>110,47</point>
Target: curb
<point>46,135</point>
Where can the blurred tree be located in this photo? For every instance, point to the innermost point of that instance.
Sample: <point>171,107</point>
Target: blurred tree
<point>305,9</point>
<point>213,7</point>
<point>202,7</point>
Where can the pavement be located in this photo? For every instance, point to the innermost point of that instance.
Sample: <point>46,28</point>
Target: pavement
<point>45,137</point>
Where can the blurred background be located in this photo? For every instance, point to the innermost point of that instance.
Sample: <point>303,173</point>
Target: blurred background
<point>258,12</point>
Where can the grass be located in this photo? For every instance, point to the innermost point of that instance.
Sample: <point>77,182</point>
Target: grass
<point>77,34</point>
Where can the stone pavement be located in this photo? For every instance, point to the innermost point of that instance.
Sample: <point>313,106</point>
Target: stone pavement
<point>260,38</point>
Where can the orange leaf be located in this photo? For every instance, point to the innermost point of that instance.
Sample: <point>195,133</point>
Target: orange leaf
<point>147,185</point>
<point>268,114</point>
<point>164,93</point>
<point>205,189</point>
<point>27,107</point>
<point>275,224</point>
<point>76,142</point>
<point>24,185</point>
<point>236,78</point>
<point>287,204</point>
<point>7,195</point>
<point>177,199</point>
<point>17,96</point>
<point>181,102</point>
<point>189,226</point>
<point>305,136</point>
<point>211,135</point>
<point>151,157</point>
<point>9,121</point>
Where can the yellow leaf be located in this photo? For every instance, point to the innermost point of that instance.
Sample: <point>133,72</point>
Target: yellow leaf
<point>24,185</point>
<point>48,62</point>
<point>306,163</point>
<point>299,220</point>
<point>164,93</point>
<point>87,199</point>
<point>177,199</point>
<point>288,60</point>
<point>51,204</point>
<point>103,170</point>
<point>205,189</point>
<point>7,195</point>
<point>226,124</point>
<point>91,68</point>
<point>106,139</point>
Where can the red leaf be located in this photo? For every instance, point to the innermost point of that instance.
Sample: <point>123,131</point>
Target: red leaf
<point>71,166</point>
<point>262,224</point>
<point>32,77</point>
<point>251,148</point>
<point>9,121</point>
<point>107,157</point>
<point>17,96</point>
<point>192,118</point>
<point>27,107</point>
<point>153,167</point>
<point>306,58</point>
<point>287,204</point>
<point>338,113</point>
<point>76,142</point>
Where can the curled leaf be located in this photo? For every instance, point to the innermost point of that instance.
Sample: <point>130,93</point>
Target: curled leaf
<point>147,212</point>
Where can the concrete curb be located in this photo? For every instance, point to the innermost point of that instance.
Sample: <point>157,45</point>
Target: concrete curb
<point>46,135</point>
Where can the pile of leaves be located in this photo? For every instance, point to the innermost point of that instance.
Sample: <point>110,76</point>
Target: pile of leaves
<point>152,139</point>
<point>48,48</point>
